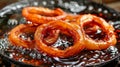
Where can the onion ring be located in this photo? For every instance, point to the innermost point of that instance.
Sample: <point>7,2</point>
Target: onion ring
<point>42,15</point>
<point>16,38</point>
<point>91,44</point>
<point>71,18</point>
<point>72,29</point>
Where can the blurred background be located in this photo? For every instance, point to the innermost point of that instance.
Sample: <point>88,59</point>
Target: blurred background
<point>115,4</point>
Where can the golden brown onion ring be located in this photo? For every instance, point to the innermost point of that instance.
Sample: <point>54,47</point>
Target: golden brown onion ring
<point>42,15</point>
<point>71,18</point>
<point>16,36</point>
<point>105,42</point>
<point>72,29</point>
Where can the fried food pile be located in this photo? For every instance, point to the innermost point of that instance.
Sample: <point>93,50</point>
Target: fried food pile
<point>89,32</point>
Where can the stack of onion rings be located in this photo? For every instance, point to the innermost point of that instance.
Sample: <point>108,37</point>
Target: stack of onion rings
<point>53,22</point>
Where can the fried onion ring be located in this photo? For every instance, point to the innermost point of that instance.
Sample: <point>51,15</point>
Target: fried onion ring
<point>71,18</point>
<point>109,38</point>
<point>73,30</point>
<point>23,35</point>
<point>42,15</point>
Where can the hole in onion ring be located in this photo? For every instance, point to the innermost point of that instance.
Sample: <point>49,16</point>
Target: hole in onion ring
<point>27,36</point>
<point>94,31</point>
<point>63,42</point>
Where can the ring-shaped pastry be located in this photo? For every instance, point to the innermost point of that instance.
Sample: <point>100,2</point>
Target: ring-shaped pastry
<point>22,35</point>
<point>40,15</point>
<point>71,29</point>
<point>109,38</point>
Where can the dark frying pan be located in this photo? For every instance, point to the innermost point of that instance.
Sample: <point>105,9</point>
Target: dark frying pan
<point>10,17</point>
